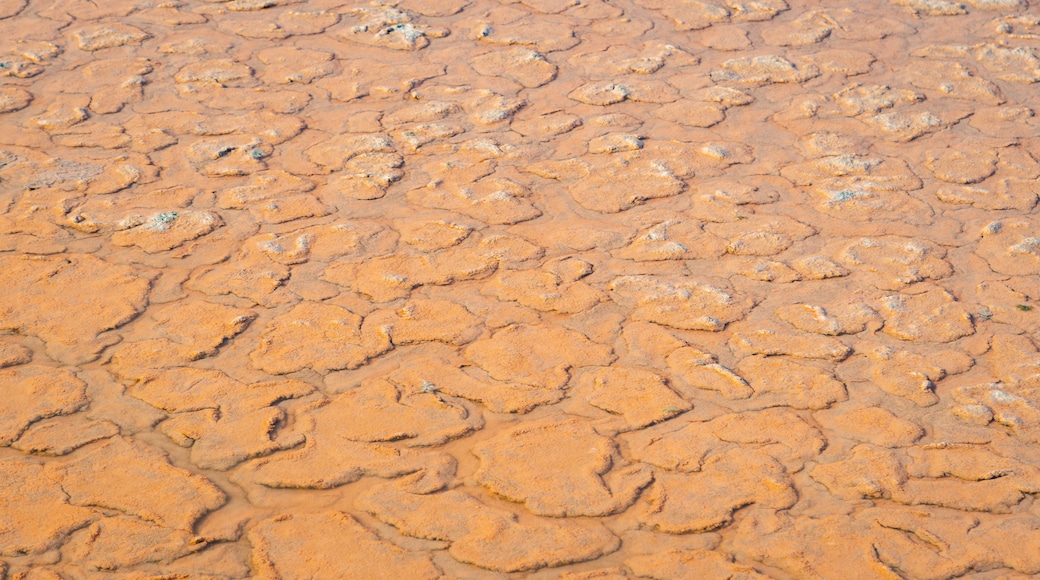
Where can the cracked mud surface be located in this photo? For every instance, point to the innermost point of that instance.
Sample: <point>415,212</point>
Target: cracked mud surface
<point>578,289</point>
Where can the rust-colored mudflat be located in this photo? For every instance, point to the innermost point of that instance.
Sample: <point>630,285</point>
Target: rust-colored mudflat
<point>577,289</point>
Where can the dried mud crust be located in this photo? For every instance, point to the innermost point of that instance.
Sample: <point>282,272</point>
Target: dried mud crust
<point>519,289</point>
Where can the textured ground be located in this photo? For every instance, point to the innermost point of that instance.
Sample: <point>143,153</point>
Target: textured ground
<point>583,289</point>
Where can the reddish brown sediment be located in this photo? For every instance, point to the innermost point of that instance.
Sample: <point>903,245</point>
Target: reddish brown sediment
<point>577,289</point>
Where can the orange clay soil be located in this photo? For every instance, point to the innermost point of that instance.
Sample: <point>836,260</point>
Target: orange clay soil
<point>577,289</point>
